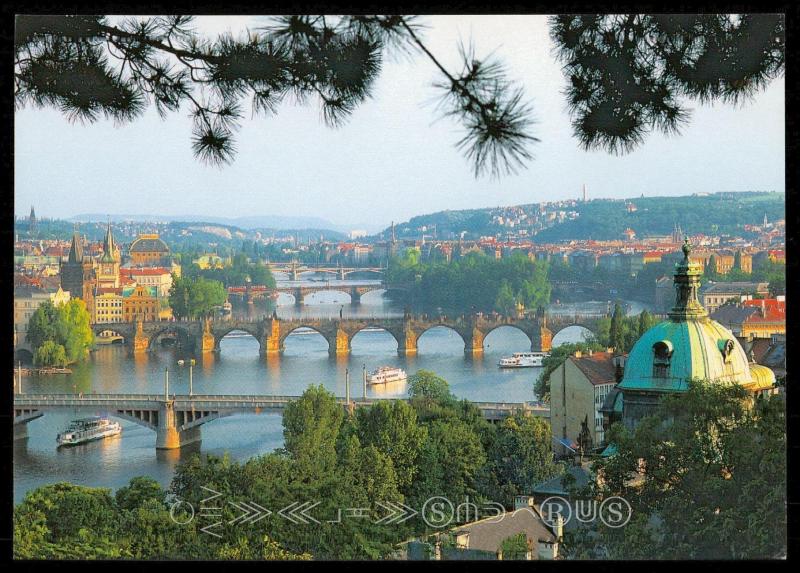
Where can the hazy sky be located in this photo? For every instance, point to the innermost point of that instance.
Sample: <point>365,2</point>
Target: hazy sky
<point>394,158</point>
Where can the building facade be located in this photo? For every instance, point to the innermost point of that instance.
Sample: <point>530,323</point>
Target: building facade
<point>578,389</point>
<point>149,250</point>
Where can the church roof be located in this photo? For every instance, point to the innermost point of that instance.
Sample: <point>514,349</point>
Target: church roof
<point>148,243</point>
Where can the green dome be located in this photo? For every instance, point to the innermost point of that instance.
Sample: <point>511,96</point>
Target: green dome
<point>673,352</point>
<point>689,346</point>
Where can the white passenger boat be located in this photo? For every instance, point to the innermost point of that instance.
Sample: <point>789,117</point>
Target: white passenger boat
<point>386,374</point>
<point>87,430</point>
<point>523,360</point>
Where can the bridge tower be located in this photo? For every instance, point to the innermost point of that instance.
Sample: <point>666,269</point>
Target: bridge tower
<point>342,342</point>
<point>409,341</point>
<point>207,342</point>
<point>140,340</point>
<point>542,338</point>
<point>355,296</point>
<point>271,343</point>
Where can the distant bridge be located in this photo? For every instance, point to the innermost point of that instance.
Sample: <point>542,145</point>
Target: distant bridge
<point>271,332</point>
<point>176,419</point>
<point>295,269</point>
<point>249,293</point>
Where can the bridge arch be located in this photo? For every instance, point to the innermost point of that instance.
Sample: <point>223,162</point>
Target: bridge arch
<point>398,338</point>
<point>588,330</point>
<point>220,334</point>
<point>23,355</point>
<point>305,296</point>
<point>182,333</point>
<point>446,327</point>
<point>487,331</point>
<point>285,334</point>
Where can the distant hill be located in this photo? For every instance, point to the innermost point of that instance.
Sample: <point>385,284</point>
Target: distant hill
<point>602,219</point>
<point>275,222</point>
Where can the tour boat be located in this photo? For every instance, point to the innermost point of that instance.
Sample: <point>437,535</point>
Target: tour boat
<point>386,374</point>
<point>523,360</point>
<point>87,430</point>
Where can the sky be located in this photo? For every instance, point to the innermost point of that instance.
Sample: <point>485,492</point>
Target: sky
<point>395,157</point>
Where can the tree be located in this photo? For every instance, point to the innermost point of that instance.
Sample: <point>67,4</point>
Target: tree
<point>88,66</point>
<point>50,353</point>
<point>505,303</point>
<point>195,297</point>
<point>426,385</point>
<point>617,332</point>
<point>687,471</point>
<point>310,428</point>
<point>60,334</point>
<point>522,456</point>
<point>394,431</point>
<point>139,490</point>
<point>451,458</point>
<point>628,73</point>
<point>646,322</point>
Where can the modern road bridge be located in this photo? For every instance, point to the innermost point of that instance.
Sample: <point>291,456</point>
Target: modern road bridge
<point>176,419</point>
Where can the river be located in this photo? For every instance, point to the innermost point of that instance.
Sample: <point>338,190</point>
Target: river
<point>237,369</point>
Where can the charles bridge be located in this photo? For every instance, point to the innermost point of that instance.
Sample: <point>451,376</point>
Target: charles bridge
<point>271,332</point>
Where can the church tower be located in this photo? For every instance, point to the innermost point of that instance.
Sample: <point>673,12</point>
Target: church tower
<point>108,265</point>
<point>77,271</point>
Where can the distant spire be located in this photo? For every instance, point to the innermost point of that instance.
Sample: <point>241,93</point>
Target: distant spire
<point>76,248</point>
<point>584,192</point>
<point>394,238</point>
<point>33,214</point>
<point>108,245</point>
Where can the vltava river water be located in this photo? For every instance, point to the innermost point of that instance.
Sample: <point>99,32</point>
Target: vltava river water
<point>237,369</point>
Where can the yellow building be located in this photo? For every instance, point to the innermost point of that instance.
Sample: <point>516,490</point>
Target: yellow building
<point>149,250</point>
<point>578,389</point>
<point>108,306</point>
<point>140,302</point>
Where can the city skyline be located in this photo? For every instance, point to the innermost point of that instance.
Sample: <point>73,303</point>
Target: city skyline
<point>352,185</point>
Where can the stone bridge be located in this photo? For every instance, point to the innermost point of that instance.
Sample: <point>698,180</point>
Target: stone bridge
<point>252,293</point>
<point>176,419</point>
<point>271,332</point>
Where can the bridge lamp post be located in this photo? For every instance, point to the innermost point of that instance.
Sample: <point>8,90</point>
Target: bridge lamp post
<point>191,364</point>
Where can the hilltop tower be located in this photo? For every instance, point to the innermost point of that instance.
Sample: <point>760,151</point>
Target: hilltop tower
<point>32,228</point>
<point>584,192</point>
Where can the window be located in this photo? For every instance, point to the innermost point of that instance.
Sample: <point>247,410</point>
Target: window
<point>662,355</point>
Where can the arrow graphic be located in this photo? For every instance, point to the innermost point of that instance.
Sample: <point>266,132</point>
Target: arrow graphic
<point>216,494</point>
<point>399,513</point>
<point>297,512</point>
<point>207,529</point>
<point>251,512</point>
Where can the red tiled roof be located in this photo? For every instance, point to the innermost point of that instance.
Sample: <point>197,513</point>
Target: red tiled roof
<point>598,368</point>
